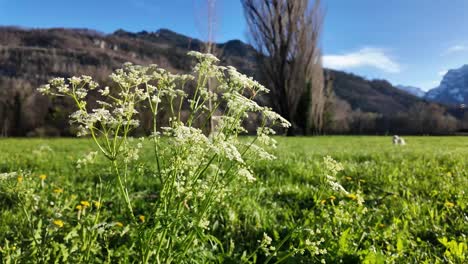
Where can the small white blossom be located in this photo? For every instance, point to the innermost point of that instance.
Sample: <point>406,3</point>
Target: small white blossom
<point>243,172</point>
<point>86,160</point>
<point>105,92</point>
<point>45,89</point>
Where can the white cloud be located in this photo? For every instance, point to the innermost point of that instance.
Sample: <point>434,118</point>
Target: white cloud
<point>370,57</point>
<point>455,48</point>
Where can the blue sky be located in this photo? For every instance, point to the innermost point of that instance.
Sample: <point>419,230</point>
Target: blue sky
<point>410,42</point>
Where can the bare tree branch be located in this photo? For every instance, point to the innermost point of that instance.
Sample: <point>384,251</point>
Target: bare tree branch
<point>286,33</point>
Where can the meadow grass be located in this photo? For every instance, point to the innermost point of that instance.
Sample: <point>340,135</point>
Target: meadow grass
<point>404,204</point>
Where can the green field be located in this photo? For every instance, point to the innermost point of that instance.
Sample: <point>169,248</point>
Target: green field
<point>405,204</point>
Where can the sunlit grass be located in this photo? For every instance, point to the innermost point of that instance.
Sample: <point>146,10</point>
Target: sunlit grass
<point>414,210</point>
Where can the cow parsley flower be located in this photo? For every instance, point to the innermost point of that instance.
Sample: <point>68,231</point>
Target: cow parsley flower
<point>243,172</point>
<point>195,120</point>
<point>105,91</point>
<point>44,89</point>
<point>88,159</point>
<point>8,175</point>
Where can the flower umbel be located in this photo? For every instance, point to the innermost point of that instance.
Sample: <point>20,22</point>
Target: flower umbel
<point>195,121</point>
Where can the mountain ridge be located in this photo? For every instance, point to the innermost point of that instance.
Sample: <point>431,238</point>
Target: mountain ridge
<point>30,57</point>
<point>453,88</point>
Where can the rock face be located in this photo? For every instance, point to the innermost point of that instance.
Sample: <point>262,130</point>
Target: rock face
<point>453,88</point>
<point>412,90</point>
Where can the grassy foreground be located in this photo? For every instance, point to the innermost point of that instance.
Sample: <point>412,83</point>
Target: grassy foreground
<point>404,204</point>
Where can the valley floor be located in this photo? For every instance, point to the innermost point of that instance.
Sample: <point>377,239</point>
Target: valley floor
<point>400,204</point>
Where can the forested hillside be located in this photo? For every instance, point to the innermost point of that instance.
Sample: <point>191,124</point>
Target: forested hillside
<point>29,57</point>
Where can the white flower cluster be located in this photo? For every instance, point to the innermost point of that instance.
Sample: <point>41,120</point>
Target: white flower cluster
<point>314,247</point>
<point>243,172</point>
<point>7,175</point>
<point>87,159</point>
<point>43,151</point>
<point>333,167</point>
<point>206,64</point>
<point>242,82</point>
<point>77,85</point>
<point>195,168</point>
<point>265,245</point>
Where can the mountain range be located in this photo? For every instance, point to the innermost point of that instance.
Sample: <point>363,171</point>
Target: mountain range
<point>453,89</point>
<point>29,57</point>
<point>32,56</point>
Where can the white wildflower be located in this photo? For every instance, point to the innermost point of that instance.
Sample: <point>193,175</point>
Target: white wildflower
<point>276,118</point>
<point>104,92</point>
<point>243,172</point>
<point>63,89</point>
<point>7,175</point>
<point>266,240</point>
<point>204,223</point>
<point>87,159</point>
<point>45,89</point>
<point>75,81</point>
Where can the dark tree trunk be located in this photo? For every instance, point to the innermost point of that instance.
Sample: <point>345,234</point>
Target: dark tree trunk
<point>17,122</point>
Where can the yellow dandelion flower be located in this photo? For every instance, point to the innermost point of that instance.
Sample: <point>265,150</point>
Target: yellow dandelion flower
<point>348,178</point>
<point>449,204</point>
<point>323,202</point>
<point>20,179</point>
<point>85,203</point>
<point>332,197</point>
<point>119,224</point>
<point>352,196</point>
<point>79,207</point>
<point>142,218</point>
<point>58,190</point>
<point>97,204</point>
<point>42,177</point>
<point>58,223</point>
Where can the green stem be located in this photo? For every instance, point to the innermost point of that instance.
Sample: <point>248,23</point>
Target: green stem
<point>123,191</point>
<point>285,257</point>
<point>278,247</point>
<point>96,220</point>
